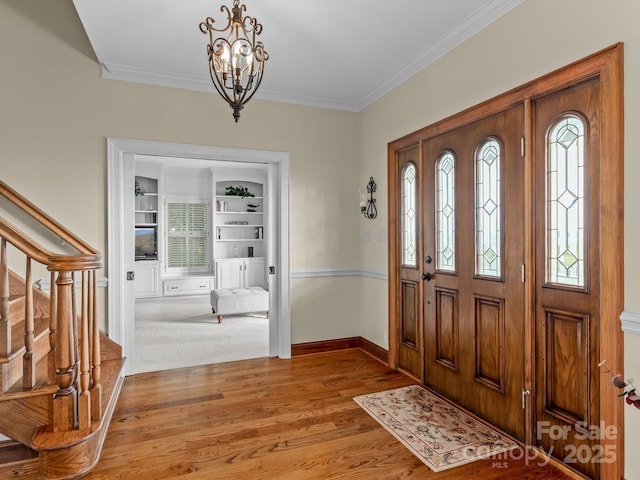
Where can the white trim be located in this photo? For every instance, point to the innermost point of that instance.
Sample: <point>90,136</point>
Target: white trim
<point>120,159</point>
<point>45,283</point>
<point>339,272</point>
<point>480,19</point>
<point>630,322</point>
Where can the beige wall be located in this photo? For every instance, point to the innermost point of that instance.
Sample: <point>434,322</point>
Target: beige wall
<point>56,113</point>
<point>533,39</point>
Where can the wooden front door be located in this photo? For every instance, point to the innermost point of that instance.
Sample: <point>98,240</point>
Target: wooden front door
<point>568,278</point>
<point>473,234</point>
<point>516,322</point>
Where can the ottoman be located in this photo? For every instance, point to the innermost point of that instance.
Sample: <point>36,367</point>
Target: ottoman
<point>230,301</point>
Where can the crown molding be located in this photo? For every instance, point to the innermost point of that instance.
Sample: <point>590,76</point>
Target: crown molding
<point>473,24</point>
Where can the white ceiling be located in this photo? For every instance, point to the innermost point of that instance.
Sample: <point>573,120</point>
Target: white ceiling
<point>341,54</point>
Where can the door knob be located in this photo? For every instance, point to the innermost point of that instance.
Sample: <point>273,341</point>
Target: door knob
<point>427,276</point>
<point>428,259</point>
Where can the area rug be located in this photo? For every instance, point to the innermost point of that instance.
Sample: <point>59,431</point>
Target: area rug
<point>435,431</point>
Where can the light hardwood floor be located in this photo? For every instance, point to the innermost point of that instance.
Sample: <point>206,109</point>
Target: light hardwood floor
<point>268,419</point>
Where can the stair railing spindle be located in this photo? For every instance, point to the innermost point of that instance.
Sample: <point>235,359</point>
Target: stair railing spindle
<point>96,387</point>
<point>29,358</point>
<point>84,400</point>
<point>53,328</point>
<point>5,321</point>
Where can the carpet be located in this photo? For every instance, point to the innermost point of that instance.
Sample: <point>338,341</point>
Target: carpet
<point>435,431</point>
<point>183,332</point>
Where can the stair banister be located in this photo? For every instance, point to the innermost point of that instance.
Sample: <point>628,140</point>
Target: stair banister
<point>75,347</point>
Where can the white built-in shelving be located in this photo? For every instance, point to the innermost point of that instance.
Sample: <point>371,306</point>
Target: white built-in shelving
<point>239,242</point>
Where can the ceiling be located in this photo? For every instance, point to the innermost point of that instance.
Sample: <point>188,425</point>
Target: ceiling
<point>340,54</point>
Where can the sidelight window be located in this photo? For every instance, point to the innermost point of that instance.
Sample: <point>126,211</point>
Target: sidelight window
<point>488,210</point>
<point>409,237</point>
<point>445,213</point>
<point>565,202</point>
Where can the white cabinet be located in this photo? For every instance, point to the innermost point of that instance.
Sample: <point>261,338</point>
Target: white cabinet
<point>239,243</point>
<point>192,285</point>
<point>146,279</point>
<point>255,272</point>
<point>241,272</point>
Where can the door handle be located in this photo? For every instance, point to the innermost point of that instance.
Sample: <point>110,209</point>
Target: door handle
<point>427,276</point>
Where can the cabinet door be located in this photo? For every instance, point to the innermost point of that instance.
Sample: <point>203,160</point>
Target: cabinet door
<point>146,279</point>
<point>230,274</point>
<point>255,274</point>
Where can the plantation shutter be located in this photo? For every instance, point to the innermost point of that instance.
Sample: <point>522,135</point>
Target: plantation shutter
<point>187,236</point>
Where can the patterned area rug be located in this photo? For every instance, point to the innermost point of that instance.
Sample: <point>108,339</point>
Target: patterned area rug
<point>437,432</point>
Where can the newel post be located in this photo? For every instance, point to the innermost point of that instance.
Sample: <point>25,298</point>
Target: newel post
<point>65,399</point>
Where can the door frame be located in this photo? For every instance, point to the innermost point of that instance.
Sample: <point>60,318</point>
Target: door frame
<point>607,65</point>
<point>120,260</point>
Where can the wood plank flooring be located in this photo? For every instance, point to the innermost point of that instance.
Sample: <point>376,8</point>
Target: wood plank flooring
<point>268,419</point>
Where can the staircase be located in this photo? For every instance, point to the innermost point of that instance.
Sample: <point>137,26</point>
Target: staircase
<point>60,376</point>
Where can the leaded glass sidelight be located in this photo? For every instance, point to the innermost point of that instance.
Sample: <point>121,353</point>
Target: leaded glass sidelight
<point>409,243</point>
<point>445,213</point>
<point>565,199</point>
<point>488,211</point>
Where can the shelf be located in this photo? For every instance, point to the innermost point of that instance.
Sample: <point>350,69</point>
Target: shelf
<point>145,211</point>
<point>146,224</point>
<point>233,220</point>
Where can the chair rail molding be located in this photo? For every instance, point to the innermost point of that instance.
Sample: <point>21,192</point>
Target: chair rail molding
<point>339,272</point>
<point>630,322</point>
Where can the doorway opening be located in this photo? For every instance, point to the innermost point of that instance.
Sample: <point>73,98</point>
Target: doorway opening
<point>121,154</point>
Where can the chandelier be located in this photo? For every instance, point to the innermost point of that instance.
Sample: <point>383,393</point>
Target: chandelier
<point>236,62</point>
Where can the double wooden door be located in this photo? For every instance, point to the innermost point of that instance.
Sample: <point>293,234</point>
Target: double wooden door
<point>469,343</point>
<point>500,227</point>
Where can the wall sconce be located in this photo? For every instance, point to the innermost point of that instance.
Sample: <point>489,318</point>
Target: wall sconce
<point>368,206</point>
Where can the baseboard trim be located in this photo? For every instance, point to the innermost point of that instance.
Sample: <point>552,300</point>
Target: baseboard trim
<point>322,346</point>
